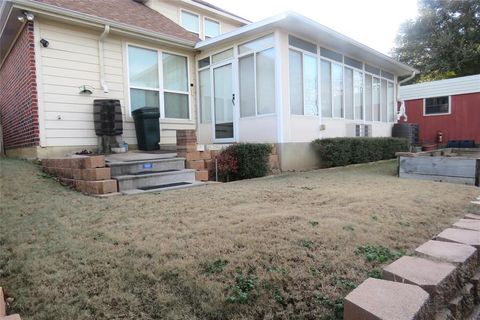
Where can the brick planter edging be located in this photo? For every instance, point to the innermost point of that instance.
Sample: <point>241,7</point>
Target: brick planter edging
<point>441,282</point>
<point>86,174</point>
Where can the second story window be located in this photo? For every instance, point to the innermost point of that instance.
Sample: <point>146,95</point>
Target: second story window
<point>190,21</point>
<point>212,28</point>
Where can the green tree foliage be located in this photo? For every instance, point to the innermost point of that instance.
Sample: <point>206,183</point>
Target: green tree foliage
<point>443,41</point>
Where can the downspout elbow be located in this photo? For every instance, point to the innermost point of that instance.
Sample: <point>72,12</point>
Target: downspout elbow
<point>104,34</point>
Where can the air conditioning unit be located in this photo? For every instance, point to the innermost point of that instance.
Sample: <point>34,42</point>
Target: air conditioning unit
<point>359,130</point>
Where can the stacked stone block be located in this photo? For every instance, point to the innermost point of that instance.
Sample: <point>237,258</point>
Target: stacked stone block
<point>86,174</point>
<point>442,280</point>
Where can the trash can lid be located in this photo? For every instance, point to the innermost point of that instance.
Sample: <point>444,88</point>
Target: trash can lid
<point>150,111</point>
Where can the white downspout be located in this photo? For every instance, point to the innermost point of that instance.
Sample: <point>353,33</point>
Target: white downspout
<point>104,34</point>
<point>402,112</point>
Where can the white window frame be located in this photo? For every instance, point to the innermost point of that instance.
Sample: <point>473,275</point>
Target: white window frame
<point>254,53</point>
<point>193,14</point>
<point>303,54</point>
<point>437,114</point>
<point>160,88</point>
<point>205,35</point>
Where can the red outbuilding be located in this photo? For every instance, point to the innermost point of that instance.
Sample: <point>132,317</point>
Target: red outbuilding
<point>445,110</point>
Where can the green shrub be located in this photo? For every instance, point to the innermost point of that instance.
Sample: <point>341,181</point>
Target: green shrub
<point>244,161</point>
<point>336,152</point>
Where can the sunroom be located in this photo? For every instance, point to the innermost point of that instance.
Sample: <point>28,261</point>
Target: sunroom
<point>289,80</point>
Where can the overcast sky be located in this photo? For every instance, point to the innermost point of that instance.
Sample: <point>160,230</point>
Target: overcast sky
<point>372,22</point>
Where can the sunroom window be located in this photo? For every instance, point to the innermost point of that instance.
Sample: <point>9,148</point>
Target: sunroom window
<point>303,83</point>
<point>257,77</point>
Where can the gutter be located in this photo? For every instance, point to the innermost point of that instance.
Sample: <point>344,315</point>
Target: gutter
<point>403,111</point>
<point>104,34</point>
<point>67,14</point>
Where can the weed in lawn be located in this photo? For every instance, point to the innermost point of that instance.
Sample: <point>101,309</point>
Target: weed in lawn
<point>307,244</point>
<point>346,284</point>
<point>46,176</point>
<point>379,254</point>
<point>313,223</point>
<point>334,305</point>
<point>375,273</point>
<point>213,267</point>
<point>348,227</point>
<point>243,290</point>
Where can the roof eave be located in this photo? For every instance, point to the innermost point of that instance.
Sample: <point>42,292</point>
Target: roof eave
<point>293,18</point>
<point>54,11</point>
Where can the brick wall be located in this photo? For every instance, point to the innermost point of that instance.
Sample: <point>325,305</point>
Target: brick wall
<point>18,93</point>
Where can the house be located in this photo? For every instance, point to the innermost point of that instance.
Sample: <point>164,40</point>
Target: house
<point>285,80</point>
<point>450,107</point>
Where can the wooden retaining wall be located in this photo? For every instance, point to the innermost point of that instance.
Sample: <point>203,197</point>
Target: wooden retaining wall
<point>441,165</point>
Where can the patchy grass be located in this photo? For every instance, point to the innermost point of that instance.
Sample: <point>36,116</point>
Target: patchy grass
<point>291,242</point>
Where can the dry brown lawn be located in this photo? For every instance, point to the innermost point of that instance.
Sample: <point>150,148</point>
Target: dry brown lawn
<point>281,247</point>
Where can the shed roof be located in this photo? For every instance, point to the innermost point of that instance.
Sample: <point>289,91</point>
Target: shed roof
<point>447,87</point>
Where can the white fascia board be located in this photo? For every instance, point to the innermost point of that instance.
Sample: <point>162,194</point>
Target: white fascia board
<point>292,20</point>
<point>218,12</point>
<point>67,14</point>
<point>252,27</point>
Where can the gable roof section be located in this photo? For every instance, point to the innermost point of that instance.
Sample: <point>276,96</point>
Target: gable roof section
<point>126,12</point>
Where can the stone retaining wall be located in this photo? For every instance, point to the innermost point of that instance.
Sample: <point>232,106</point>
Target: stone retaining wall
<point>442,280</point>
<point>86,174</point>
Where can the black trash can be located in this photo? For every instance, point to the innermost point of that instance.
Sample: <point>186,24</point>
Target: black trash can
<point>147,127</point>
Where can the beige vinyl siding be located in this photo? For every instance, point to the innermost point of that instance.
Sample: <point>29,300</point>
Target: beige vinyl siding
<point>171,9</point>
<point>70,61</point>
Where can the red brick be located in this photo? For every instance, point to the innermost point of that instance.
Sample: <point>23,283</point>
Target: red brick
<point>97,187</point>
<point>187,147</point>
<point>201,175</point>
<point>195,164</point>
<point>18,103</point>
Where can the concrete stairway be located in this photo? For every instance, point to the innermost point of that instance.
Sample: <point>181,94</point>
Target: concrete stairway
<point>138,172</point>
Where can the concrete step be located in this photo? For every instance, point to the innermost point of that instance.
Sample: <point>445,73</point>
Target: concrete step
<point>139,181</point>
<point>120,168</point>
<point>165,188</point>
